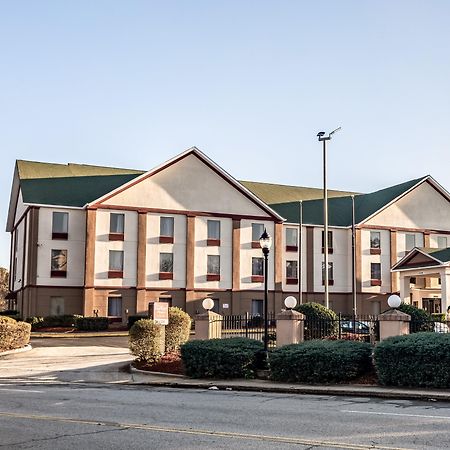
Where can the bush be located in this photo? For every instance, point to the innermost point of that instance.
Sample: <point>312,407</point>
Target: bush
<point>11,313</point>
<point>145,340</point>
<point>320,361</point>
<point>13,334</point>
<point>67,320</point>
<point>221,358</point>
<point>439,317</point>
<point>178,329</point>
<point>91,323</point>
<point>416,360</point>
<point>35,322</point>
<point>320,322</point>
<point>134,318</point>
<point>420,319</point>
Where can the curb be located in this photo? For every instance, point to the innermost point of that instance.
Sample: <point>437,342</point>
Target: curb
<point>77,335</point>
<point>27,348</point>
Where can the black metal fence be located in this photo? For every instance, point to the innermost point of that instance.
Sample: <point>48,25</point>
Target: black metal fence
<point>437,326</point>
<point>249,326</point>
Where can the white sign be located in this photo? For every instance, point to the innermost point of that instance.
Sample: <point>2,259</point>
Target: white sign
<point>159,312</point>
<point>225,306</point>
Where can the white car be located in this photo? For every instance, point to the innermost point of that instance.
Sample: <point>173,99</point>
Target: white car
<point>440,327</point>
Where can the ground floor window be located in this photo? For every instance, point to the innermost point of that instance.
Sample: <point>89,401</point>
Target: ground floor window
<point>56,306</point>
<point>115,306</point>
<point>257,307</point>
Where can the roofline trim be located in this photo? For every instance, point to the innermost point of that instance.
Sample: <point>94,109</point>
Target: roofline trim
<point>410,254</point>
<point>209,162</point>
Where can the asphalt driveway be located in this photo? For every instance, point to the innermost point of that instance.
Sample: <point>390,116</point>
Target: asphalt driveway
<point>81,359</point>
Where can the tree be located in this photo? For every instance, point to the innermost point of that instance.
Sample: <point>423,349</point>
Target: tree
<point>4,286</point>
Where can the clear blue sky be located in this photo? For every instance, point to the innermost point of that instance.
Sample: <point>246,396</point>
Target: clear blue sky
<point>132,83</point>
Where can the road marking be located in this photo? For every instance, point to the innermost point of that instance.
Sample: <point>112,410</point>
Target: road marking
<point>22,390</point>
<point>422,416</point>
<point>224,434</point>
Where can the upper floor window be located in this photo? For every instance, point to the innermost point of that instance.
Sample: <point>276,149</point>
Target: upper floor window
<point>115,264</point>
<point>375,248</point>
<point>257,231</point>
<point>59,263</point>
<point>116,226</point>
<point>410,241</point>
<point>442,241</point>
<point>291,272</point>
<point>375,274</point>
<point>291,239</point>
<point>257,270</point>
<point>330,274</point>
<point>166,266</point>
<point>330,241</point>
<point>166,230</point>
<point>60,225</point>
<point>213,268</point>
<point>213,232</point>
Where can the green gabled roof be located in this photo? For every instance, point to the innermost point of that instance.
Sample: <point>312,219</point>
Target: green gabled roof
<point>70,191</point>
<point>441,254</point>
<point>281,193</point>
<point>340,208</point>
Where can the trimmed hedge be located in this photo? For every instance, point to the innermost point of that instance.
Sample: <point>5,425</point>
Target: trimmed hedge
<point>178,329</point>
<point>221,358</point>
<point>145,340</point>
<point>91,323</point>
<point>67,320</point>
<point>320,361</point>
<point>11,313</point>
<point>320,321</point>
<point>13,334</point>
<point>416,360</point>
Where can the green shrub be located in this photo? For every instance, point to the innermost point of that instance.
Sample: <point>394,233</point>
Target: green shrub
<point>67,320</point>
<point>178,329</point>
<point>420,319</point>
<point>320,361</point>
<point>11,313</point>
<point>417,360</point>
<point>36,322</point>
<point>145,340</point>
<point>134,318</point>
<point>91,323</point>
<point>221,358</point>
<point>439,317</point>
<point>320,322</point>
<point>13,334</point>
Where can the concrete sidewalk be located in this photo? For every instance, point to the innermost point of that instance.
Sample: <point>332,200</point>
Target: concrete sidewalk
<point>177,381</point>
<point>77,334</point>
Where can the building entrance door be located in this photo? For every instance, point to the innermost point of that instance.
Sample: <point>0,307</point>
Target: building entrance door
<point>431,305</point>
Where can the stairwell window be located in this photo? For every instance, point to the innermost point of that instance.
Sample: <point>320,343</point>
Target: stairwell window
<point>375,248</point>
<point>330,241</point>
<point>330,274</point>
<point>442,241</point>
<point>410,241</point>
<point>59,264</point>
<point>213,268</point>
<point>257,231</point>
<point>60,225</point>
<point>116,227</point>
<point>375,274</point>
<point>166,230</point>
<point>213,233</point>
<point>115,264</point>
<point>291,272</point>
<point>257,270</point>
<point>166,266</point>
<point>291,239</point>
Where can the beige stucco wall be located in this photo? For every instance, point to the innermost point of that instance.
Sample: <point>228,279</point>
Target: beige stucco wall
<point>187,185</point>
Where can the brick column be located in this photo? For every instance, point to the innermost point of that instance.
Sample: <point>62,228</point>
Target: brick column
<point>236,267</point>
<point>208,326</point>
<point>393,323</point>
<point>89,268</point>
<point>141,305</point>
<point>290,328</point>
<point>190,260</point>
<point>394,276</point>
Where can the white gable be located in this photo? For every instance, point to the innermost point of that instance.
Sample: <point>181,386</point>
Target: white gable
<point>187,185</point>
<point>423,207</point>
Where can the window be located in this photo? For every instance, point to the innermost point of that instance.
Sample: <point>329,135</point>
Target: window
<point>410,241</point>
<point>59,263</point>
<point>213,232</point>
<point>330,273</point>
<point>257,231</point>
<point>60,225</point>
<point>291,272</point>
<point>375,243</point>
<point>114,306</point>
<point>257,270</point>
<point>166,227</point>
<point>213,269</point>
<point>330,241</point>
<point>116,226</point>
<point>56,306</point>
<point>115,264</point>
<point>291,240</point>
<point>257,307</point>
<point>375,274</point>
<point>166,266</point>
<point>442,241</point>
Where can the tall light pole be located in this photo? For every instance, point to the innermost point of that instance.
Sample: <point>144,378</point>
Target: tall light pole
<point>322,138</point>
<point>266,242</point>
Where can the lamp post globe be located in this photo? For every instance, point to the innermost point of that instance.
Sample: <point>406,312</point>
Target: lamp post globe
<point>208,304</point>
<point>290,302</point>
<point>394,301</point>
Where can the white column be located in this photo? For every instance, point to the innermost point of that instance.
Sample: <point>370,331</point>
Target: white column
<point>445,289</point>
<point>404,288</point>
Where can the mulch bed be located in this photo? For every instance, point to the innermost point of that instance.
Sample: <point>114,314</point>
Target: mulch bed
<point>169,363</point>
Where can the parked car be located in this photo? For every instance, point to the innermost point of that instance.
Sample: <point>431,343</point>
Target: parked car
<point>349,326</point>
<point>440,327</point>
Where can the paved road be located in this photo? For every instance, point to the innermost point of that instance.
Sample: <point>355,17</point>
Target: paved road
<point>117,417</point>
<point>69,359</point>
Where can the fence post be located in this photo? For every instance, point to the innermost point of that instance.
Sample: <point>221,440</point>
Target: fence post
<point>246,323</point>
<point>208,325</point>
<point>393,323</point>
<point>290,327</point>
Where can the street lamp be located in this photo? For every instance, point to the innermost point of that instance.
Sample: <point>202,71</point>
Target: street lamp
<point>266,242</point>
<point>322,138</point>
